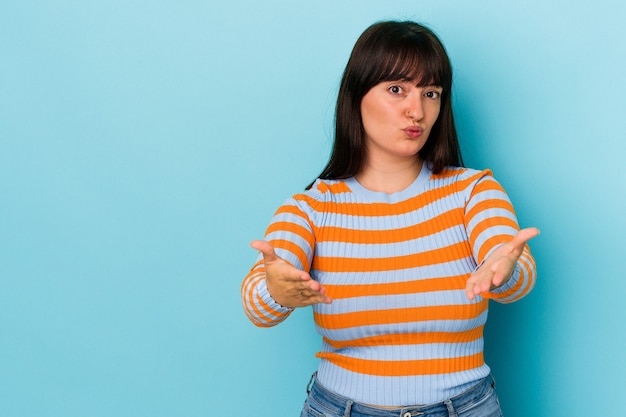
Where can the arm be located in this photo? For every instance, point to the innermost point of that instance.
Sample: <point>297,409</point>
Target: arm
<point>506,269</point>
<point>279,281</point>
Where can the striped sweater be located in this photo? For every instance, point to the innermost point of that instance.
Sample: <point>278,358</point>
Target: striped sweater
<point>400,330</point>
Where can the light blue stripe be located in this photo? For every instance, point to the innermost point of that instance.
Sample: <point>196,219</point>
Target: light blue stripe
<point>490,213</point>
<point>392,302</point>
<point>392,391</point>
<point>399,328</point>
<point>387,221</point>
<point>489,233</point>
<point>487,195</point>
<point>447,269</point>
<point>450,236</point>
<point>412,352</point>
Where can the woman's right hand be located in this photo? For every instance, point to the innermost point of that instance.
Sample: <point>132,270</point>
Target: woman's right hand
<point>289,286</point>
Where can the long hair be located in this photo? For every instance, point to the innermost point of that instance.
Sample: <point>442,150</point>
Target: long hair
<point>390,51</point>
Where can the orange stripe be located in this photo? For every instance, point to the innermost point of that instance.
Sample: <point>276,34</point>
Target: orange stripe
<point>487,184</point>
<point>449,172</point>
<point>340,187</point>
<point>437,256</point>
<point>443,221</point>
<point>260,318</point>
<point>529,262</point>
<point>491,222</point>
<point>486,205</point>
<point>409,339</point>
<point>293,248</point>
<point>527,279</point>
<point>490,243</point>
<point>379,209</point>
<point>296,229</point>
<point>399,315</point>
<point>405,368</point>
<point>295,210</point>
<point>338,292</point>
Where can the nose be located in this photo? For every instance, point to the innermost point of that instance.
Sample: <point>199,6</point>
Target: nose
<point>415,108</point>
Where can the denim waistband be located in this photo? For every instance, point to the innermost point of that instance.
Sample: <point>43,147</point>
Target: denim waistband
<point>348,408</point>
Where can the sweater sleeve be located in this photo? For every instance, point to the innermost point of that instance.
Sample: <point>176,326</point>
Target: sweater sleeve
<point>291,234</point>
<point>490,221</point>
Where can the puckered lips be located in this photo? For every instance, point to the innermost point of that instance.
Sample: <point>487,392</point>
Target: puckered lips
<point>413,131</point>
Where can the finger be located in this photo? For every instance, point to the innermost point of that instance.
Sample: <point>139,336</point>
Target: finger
<point>290,273</point>
<point>323,299</point>
<point>522,237</point>
<point>311,287</point>
<point>482,286</point>
<point>266,248</point>
<point>469,288</point>
<point>498,279</point>
<point>314,294</point>
<point>469,293</point>
<point>314,298</point>
<point>314,285</point>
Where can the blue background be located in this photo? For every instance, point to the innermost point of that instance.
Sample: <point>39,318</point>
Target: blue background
<point>144,144</point>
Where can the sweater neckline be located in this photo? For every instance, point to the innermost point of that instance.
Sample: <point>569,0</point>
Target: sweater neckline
<point>412,190</point>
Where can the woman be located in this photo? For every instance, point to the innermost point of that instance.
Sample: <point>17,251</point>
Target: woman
<point>396,246</point>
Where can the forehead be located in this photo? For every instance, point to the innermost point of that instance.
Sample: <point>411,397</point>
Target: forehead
<point>412,65</point>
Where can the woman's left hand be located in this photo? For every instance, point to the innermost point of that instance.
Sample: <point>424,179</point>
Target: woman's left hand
<point>497,269</point>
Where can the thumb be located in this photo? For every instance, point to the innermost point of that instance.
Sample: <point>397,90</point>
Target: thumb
<point>266,248</point>
<point>522,237</point>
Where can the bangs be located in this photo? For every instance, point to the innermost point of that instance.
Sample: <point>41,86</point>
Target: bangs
<point>413,58</point>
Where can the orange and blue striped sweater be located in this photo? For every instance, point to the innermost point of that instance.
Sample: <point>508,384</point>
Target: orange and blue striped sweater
<point>400,330</point>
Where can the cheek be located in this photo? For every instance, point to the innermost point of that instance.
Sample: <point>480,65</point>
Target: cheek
<point>434,114</point>
<point>370,117</point>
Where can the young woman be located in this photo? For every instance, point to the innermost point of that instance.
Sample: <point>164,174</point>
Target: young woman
<point>396,246</point>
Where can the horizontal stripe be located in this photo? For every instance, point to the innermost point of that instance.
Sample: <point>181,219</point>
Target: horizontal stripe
<point>378,209</point>
<point>487,207</point>
<point>336,188</point>
<point>393,391</point>
<point>422,351</point>
<point>290,228</point>
<point>401,315</point>
<point>297,251</point>
<point>490,223</point>
<point>448,173</point>
<point>451,326</point>
<point>443,221</point>
<point>491,243</point>
<point>404,368</point>
<point>392,288</point>
<point>453,269</point>
<point>293,210</point>
<point>409,300</point>
<point>409,339</point>
<point>414,244</point>
<point>342,264</point>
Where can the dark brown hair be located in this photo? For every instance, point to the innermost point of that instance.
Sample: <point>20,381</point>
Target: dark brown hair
<point>390,51</point>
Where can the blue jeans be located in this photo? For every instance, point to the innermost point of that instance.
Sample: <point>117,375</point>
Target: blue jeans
<point>478,401</point>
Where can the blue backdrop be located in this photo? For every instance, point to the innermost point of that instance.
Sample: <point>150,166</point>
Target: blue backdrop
<point>144,144</point>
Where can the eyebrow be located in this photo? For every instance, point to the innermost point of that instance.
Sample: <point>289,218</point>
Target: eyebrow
<point>417,83</point>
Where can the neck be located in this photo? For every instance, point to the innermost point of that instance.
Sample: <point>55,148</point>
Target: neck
<point>389,178</point>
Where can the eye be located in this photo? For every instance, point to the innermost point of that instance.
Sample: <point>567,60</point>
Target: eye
<point>433,94</point>
<point>395,89</point>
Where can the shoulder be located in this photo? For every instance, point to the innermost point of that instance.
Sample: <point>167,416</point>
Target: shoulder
<point>459,177</point>
<point>327,189</point>
<point>462,181</point>
<point>450,175</point>
<point>320,193</point>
